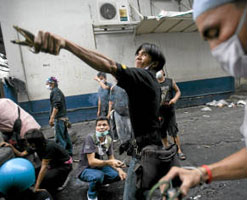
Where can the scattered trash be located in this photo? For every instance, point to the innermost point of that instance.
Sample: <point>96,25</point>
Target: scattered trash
<point>212,103</point>
<point>197,197</point>
<point>206,109</point>
<point>206,116</point>
<point>219,103</point>
<point>222,103</point>
<point>231,105</point>
<point>241,102</point>
<point>206,146</point>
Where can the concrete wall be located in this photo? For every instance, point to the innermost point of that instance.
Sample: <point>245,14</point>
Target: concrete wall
<point>69,19</point>
<point>188,57</point>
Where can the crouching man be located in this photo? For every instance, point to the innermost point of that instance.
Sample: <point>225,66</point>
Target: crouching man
<point>93,167</point>
<point>56,163</point>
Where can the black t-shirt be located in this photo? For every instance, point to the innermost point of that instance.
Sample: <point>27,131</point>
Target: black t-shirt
<point>166,90</point>
<point>57,100</point>
<point>54,152</point>
<point>144,98</point>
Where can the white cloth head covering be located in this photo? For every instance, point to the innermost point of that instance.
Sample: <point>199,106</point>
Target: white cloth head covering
<point>200,6</point>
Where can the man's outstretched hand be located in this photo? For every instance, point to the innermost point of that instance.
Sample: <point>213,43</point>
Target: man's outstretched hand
<point>44,42</point>
<point>48,43</point>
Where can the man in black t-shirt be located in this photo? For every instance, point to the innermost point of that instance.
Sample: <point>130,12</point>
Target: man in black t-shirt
<point>56,163</point>
<point>58,115</point>
<point>140,84</point>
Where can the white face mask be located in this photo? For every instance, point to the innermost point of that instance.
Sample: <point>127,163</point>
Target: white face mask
<point>48,87</point>
<point>159,75</point>
<point>230,54</point>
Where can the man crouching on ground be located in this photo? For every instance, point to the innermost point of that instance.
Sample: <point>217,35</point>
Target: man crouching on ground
<point>93,167</point>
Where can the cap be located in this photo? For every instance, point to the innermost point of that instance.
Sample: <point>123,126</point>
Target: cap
<point>52,79</point>
<point>201,6</point>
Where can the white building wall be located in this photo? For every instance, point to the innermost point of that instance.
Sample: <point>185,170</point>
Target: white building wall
<point>70,19</point>
<point>188,57</point>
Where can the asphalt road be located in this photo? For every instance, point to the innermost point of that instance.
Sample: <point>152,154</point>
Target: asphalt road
<point>206,137</point>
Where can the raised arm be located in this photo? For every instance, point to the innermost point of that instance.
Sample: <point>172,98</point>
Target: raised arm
<point>51,43</point>
<point>232,167</point>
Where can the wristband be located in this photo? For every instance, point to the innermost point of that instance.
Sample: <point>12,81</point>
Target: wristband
<point>209,173</point>
<point>200,172</point>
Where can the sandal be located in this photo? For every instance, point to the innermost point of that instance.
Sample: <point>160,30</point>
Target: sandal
<point>182,156</point>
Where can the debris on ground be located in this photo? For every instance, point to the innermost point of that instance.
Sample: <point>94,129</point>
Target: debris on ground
<point>206,109</point>
<point>241,103</point>
<point>219,103</point>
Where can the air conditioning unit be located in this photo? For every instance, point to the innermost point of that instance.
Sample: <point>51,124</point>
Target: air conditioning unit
<point>113,11</point>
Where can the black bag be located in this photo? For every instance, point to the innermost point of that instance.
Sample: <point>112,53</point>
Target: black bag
<point>155,162</point>
<point>14,137</point>
<point>6,153</point>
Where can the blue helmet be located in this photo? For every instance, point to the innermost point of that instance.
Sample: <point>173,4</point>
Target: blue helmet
<point>17,175</point>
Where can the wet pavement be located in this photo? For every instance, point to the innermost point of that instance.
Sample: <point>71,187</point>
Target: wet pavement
<point>206,137</point>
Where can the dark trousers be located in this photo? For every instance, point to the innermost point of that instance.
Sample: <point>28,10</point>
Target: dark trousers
<point>55,177</point>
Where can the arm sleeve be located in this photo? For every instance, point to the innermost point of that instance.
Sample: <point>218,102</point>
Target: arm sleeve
<point>110,151</point>
<point>56,100</point>
<point>132,79</point>
<point>89,146</point>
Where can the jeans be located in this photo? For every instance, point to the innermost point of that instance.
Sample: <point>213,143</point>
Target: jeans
<point>130,182</point>
<point>130,189</point>
<point>97,177</point>
<point>62,136</point>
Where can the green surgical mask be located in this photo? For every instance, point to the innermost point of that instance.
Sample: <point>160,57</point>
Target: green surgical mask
<point>101,134</point>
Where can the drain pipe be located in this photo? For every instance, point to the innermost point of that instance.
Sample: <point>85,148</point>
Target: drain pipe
<point>25,75</point>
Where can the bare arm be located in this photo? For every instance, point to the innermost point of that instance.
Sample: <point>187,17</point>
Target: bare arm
<point>109,109</point>
<point>94,162</point>
<point>110,105</point>
<point>177,93</point>
<point>51,43</point>
<point>232,167</point>
<point>42,172</point>
<point>18,153</point>
<point>102,84</point>
<point>121,173</point>
<point>52,117</point>
<point>99,107</point>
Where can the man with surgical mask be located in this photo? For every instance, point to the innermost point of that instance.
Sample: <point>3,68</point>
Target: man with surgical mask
<point>58,115</point>
<point>223,23</point>
<point>94,167</point>
<point>170,93</point>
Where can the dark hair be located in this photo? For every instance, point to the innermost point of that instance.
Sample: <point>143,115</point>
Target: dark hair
<point>103,74</point>
<point>102,118</point>
<point>35,136</point>
<point>239,3</point>
<point>155,54</point>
